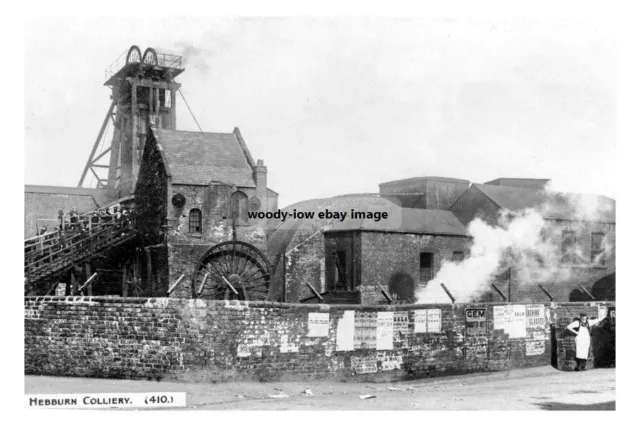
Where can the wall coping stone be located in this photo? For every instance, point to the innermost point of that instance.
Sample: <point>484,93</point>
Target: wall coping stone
<point>285,305</point>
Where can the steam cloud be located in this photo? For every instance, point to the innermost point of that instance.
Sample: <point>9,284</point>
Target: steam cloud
<point>195,57</point>
<point>529,241</point>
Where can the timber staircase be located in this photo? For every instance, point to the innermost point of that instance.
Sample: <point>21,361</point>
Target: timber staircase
<point>52,254</point>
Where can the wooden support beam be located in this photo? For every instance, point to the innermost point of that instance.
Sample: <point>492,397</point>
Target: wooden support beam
<point>159,245</point>
<point>101,155</point>
<point>204,280</point>
<point>229,285</point>
<point>134,131</point>
<point>125,285</point>
<point>175,284</point>
<point>587,292</point>
<point>150,100</point>
<point>386,295</point>
<point>94,173</point>
<point>151,84</point>
<point>96,143</point>
<point>504,298</point>
<point>453,300</point>
<point>546,292</point>
<point>156,106</point>
<point>173,109</point>
<point>316,293</point>
<point>74,283</point>
<point>87,269</point>
<point>88,283</point>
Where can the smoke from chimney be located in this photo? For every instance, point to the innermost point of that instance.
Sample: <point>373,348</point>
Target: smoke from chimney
<point>529,241</point>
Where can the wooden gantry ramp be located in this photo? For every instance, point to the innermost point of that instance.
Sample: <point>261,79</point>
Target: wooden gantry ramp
<point>52,255</point>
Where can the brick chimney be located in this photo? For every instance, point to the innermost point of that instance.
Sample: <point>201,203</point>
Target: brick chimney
<point>260,178</point>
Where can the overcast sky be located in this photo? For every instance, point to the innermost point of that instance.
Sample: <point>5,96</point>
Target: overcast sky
<point>338,105</point>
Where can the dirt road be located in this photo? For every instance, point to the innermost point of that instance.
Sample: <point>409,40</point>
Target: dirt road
<point>523,389</point>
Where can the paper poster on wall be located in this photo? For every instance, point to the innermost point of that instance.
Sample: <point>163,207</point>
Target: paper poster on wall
<point>389,363</point>
<point>602,312</point>
<point>384,335</point>
<point>434,321</point>
<point>535,316</point>
<point>365,330</point>
<point>364,365</point>
<point>243,350</point>
<point>499,317</point>
<point>419,321</point>
<point>512,319</point>
<point>537,334</point>
<point>475,321</point>
<point>344,333</point>
<point>318,325</point>
<point>401,329</point>
<point>535,348</point>
<point>518,322</point>
<point>401,322</point>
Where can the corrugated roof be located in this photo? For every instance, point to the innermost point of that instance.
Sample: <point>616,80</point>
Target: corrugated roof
<point>198,158</point>
<point>570,206</point>
<point>408,220</point>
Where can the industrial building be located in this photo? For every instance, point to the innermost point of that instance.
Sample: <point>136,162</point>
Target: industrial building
<point>190,235</point>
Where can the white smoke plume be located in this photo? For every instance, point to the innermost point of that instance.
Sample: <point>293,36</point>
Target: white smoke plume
<point>194,56</point>
<point>530,241</point>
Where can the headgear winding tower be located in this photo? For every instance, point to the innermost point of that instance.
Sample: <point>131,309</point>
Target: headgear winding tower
<point>143,92</point>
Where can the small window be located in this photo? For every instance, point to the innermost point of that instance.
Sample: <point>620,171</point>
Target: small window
<point>597,248</point>
<point>426,266</point>
<point>457,256</point>
<point>239,207</point>
<point>568,246</point>
<point>195,221</point>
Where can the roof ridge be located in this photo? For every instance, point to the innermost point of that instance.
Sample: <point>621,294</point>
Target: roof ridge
<point>194,131</point>
<point>542,190</point>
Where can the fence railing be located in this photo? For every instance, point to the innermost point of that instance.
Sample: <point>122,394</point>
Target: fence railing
<point>167,60</point>
<point>56,253</point>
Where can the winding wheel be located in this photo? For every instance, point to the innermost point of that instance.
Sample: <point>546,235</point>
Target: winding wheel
<point>232,270</point>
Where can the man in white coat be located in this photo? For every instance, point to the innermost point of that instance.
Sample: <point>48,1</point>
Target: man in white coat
<point>582,329</point>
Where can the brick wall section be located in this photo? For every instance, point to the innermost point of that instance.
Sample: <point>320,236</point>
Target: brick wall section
<point>185,249</point>
<point>197,340</point>
<point>387,255</point>
<point>304,263</point>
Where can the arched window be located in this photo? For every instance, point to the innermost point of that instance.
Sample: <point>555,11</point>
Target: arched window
<point>195,221</point>
<point>239,207</point>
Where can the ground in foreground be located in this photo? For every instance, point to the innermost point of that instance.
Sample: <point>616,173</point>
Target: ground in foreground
<point>523,389</point>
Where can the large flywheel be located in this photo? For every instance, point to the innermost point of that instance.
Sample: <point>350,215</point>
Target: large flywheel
<point>232,270</point>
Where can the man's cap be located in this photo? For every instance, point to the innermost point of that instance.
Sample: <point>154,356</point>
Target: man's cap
<point>583,314</point>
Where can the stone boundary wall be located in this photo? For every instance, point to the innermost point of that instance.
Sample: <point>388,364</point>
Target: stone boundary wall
<point>198,340</point>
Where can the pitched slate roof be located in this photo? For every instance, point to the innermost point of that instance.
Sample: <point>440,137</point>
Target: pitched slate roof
<point>408,220</point>
<point>198,158</point>
<point>557,205</point>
